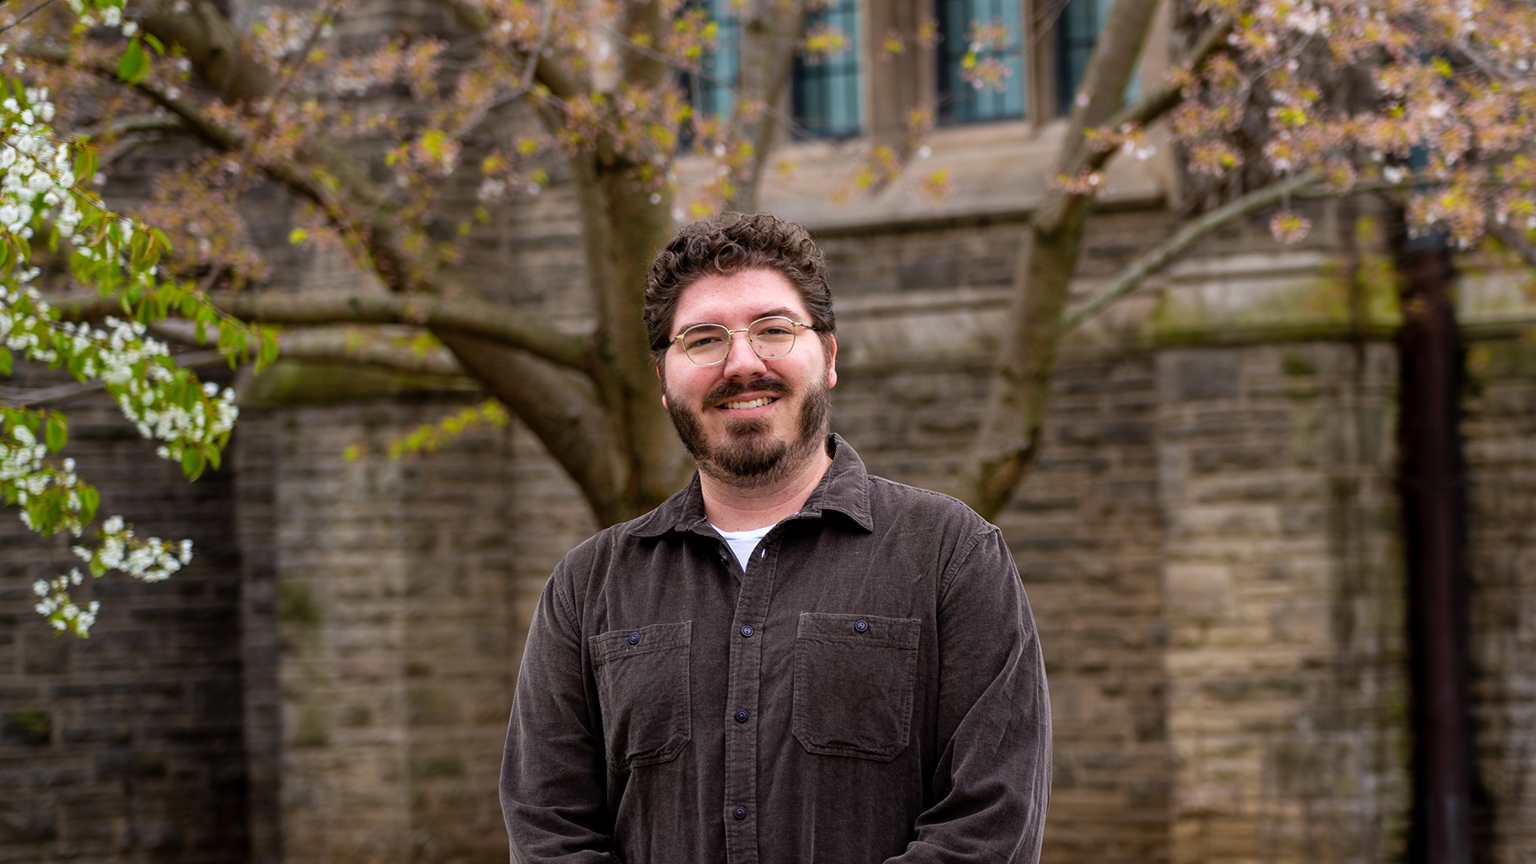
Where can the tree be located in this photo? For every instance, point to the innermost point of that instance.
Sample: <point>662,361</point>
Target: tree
<point>1444,90</point>
<point>43,196</point>
<point>1424,102</point>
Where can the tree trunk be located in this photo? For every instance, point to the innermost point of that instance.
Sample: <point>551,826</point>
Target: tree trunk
<point>770,32</point>
<point>1009,439</point>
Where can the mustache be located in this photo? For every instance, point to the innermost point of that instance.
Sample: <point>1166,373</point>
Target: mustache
<point>723,391</point>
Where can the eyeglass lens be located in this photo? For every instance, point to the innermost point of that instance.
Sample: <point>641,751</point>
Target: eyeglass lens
<point>708,344</point>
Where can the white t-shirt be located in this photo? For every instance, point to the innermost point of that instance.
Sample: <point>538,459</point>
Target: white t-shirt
<point>743,542</point>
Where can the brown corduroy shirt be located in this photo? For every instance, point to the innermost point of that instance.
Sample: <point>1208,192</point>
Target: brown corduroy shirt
<point>869,689</point>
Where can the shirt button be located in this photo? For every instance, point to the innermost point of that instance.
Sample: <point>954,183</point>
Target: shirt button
<point>634,638</point>
<point>739,812</point>
<point>861,625</point>
<point>741,716</point>
<point>747,631</point>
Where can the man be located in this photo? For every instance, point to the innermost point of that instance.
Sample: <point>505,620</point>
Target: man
<point>789,660</point>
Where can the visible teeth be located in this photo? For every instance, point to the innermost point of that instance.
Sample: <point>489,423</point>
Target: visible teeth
<point>755,403</point>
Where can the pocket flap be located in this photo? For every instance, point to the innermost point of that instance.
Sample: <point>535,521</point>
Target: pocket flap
<point>869,630</point>
<point>652,637</point>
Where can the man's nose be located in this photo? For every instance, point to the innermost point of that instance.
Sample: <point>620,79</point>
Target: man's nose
<point>741,360</point>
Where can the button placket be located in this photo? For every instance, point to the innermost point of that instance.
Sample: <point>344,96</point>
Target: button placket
<point>743,689</point>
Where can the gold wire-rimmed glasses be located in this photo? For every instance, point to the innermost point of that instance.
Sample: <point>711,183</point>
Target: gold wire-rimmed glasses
<point>771,338</point>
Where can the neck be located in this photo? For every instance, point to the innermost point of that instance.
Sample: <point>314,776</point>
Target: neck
<point>731,507</point>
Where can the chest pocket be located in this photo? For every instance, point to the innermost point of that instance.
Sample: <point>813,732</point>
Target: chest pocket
<point>643,691</point>
<point>854,679</point>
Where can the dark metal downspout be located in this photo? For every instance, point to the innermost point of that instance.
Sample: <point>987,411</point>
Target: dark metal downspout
<point>1433,494</point>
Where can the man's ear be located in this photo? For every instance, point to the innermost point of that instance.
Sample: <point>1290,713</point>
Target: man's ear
<point>831,362</point>
<point>663,380</point>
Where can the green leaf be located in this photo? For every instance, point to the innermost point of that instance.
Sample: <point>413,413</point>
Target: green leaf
<point>134,64</point>
<point>297,236</point>
<point>193,462</point>
<point>85,164</point>
<point>267,352</point>
<point>155,44</point>
<point>90,499</point>
<point>56,432</point>
<point>5,361</point>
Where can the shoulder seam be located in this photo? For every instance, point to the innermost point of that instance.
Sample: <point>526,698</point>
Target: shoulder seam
<point>562,602</point>
<point>954,565</point>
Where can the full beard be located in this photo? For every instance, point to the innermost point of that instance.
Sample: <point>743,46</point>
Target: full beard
<point>750,457</point>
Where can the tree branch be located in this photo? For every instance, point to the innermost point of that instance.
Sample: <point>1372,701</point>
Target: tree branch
<point>367,348</point>
<point>769,34</point>
<point>324,172</point>
<point>28,14</point>
<point>563,410</point>
<point>494,321</point>
<point>366,220</point>
<point>554,78</point>
<point>1165,98</point>
<point>1008,440</point>
<point>1109,72</point>
<point>16,397</point>
<point>149,121</point>
<point>1155,259</point>
<point>212,44</point>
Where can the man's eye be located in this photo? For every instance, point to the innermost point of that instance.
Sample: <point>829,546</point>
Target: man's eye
<point>775,330</point>
<point>700,341</point>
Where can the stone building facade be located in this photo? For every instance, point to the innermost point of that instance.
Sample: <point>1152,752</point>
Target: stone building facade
<point>1210,542</point>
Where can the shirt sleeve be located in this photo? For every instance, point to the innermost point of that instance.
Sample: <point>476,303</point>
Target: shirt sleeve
<point>552,771</point>
<point>992,780</point>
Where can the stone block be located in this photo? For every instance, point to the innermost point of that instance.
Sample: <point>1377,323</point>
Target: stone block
<point>30,825</point>
<point>45,654</point>
<point>27,728</point>
<point>1199,374</point>
<point>1199,593</point>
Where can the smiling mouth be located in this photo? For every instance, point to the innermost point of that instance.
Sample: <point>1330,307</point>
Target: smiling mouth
<point>753,403</point>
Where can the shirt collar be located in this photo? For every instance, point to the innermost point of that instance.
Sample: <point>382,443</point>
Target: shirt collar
<point>843,489</point>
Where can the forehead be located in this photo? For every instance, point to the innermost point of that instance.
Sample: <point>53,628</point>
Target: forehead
<point>738,299</point>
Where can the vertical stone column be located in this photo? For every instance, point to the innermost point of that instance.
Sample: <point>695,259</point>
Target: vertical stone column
<point>340,594</point>
<point>380,597</point>
<point>1284,602</point>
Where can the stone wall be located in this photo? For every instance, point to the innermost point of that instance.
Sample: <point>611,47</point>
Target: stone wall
<point>1208,542</point>
<point>1500,430</point>
<point>1085,532</point>
<point>128,745</point>
<point>1283,595</point>
<point>390,607</point>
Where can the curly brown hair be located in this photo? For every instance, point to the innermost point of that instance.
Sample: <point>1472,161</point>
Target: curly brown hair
<point>727,244</point>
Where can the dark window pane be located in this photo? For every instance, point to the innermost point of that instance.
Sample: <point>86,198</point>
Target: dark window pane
<point>1077,31</point>
<point>711,90</point>
<point>825,90</point>
<point>961,101</point>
